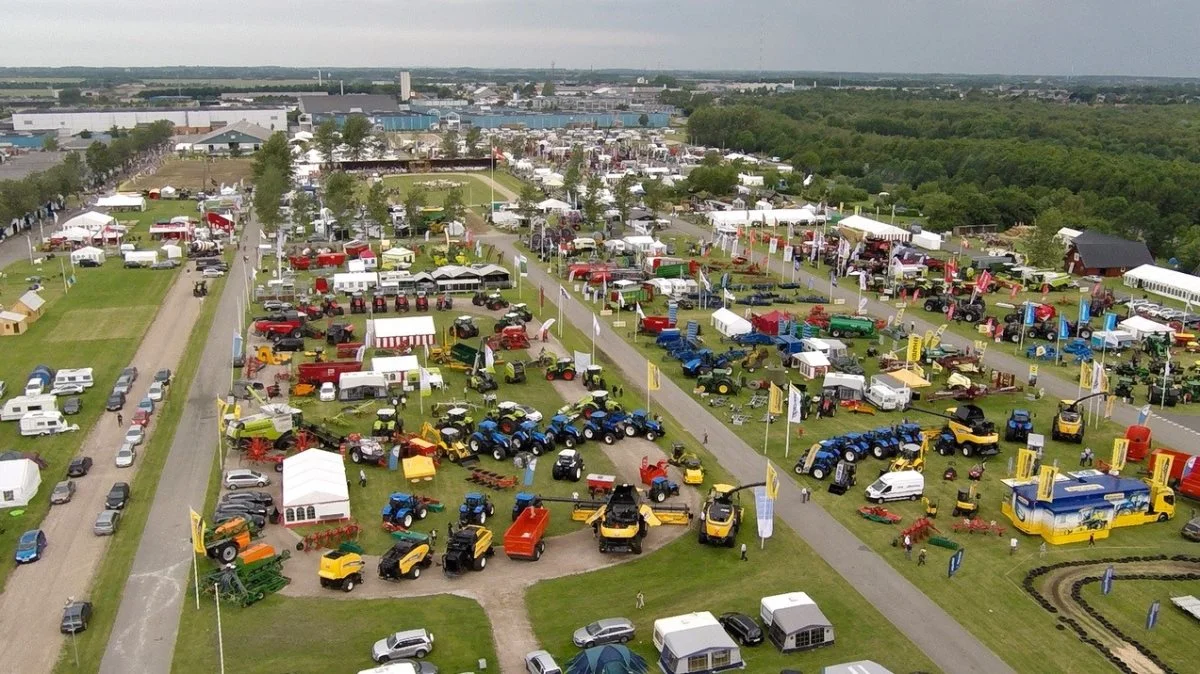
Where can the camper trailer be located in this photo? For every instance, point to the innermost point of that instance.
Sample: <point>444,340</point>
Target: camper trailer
<point>794,622</point>
<point>695,642</point>
<point>78,377</point>
<point>45,423</point>
<point>15,408</point>
<point>361,386</point>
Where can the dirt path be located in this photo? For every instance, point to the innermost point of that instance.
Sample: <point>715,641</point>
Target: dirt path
<point>1056,587</point>
<point>504,602</point>
<point>31,605</point>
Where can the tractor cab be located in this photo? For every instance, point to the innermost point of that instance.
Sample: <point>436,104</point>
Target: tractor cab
<point>465,328</point>
<point>510,319</point>
<point>358,304</point>
<point>522,310</point>
<point>593,378</point>
<point>458,418</point>
<point>1068,412</point>
<point>386,423</point>
<point>451,436</point>
<point>401,304</point>
<point>563,369</point>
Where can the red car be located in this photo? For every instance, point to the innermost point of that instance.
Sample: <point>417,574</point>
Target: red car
<point>141,418</point>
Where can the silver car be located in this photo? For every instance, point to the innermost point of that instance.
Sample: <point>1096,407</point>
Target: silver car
<point>606,631</point>
<point>406,644</point>
<point>1191,530</point>
<point>125,456</point>
<point>106,522</point>
<point>541,662</point>
<point>242,477</point>
<point>63,492</point>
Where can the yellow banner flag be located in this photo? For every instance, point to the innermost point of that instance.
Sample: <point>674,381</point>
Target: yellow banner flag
<point>653,382</point>
<point>772,482</point>
<point>1109,404</point>
<point>197,531</point>
<point>913,355</point>
<point>1045,491</point>
<point>1120,452</point>
<point>899,315</point>
<point>775,400</point>
<point>1162,469</point>
<point>1026,458</point>
<point>1085,375</point>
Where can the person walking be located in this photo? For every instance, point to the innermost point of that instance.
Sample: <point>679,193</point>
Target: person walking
<point>449,532</point>
<point>744,552</point>
<point>432,537</point>
<point>705,441</point>
<point>640,600</point>
<point>907,546</point>
<point>120,420</point>
<point>1012,546</point>
<point>1083,458</point>
<point>804,494</point>
<point>921,557</point>
<point>1092,540</point>
<point>362,477</point>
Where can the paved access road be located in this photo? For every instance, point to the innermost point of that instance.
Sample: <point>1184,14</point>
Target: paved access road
<point>938,635</point>
<point>31,605</point>
<point>1171,430</point>
<point>143,636</point>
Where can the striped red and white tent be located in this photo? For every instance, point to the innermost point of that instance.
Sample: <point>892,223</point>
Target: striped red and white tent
<point>399,333</point>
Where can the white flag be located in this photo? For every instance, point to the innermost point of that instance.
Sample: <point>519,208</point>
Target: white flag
<point>489,356</point>
<point>862,280</point>
<point>595,326</point>
<point>583,360</point>
<point>729,296</point>
<point>369,337</point>
<point>795,403</point>
<point>773,246</point>
<point>1098,376</point>
<point>425,386</point>
<point>360,353</point>
<point>862,305</point>
<point>638,308</point>
<point>704,282</point>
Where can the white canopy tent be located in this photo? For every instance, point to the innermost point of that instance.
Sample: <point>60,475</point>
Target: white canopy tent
<point>770,218</point>
<point>1141,327</point>
<point>123,201</point>
<point>394,368</point>
<point>92,221</point>
<point>76,234</point>
<point>398,333</point>
<point>1166,282</point>
<point>554,205</point>
<point>875,228</point>
<point>19,482</point>
<point>729,324</point>
<point>314,488</point>
<point>397,257</point>
<point>87,253</point>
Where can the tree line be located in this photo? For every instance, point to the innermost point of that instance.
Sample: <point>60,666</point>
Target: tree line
<point>1129,171</point>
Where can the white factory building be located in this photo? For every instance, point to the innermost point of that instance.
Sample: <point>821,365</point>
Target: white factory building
<point>186,120</point>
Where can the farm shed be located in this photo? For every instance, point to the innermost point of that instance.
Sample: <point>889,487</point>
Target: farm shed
<point>355,282</point>
<point>12,323</point>
<point>31,304</point>
<point>394,368</point>
<point>404,332</point>
<point>122,202</point>
<point>19,482</point>
<point>694,643</point>
<point>87,253</point>
<point>794,622</point>
<point>1141,327</point>
<point>314,488</point>
<point>812,364</point>
<point>1095,254</point>
<point>856,667</point>
<point>729,324</point>
<point>864,226</point>
<point>1166,282</point>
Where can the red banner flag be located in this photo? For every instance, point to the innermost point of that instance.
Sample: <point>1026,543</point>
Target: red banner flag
<point>541,297</point>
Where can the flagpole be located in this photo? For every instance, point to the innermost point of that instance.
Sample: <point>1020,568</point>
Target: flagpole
<point>767,430</point>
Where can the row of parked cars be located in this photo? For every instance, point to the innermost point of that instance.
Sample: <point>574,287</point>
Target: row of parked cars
<point>1158,312</point>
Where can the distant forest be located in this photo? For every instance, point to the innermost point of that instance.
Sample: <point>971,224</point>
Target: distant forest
<point>1131,170</point>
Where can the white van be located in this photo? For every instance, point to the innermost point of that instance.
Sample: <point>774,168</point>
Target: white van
<point>34,387</point>
<point>903,484</point>
<point>19,406</point>
<point>79,377</point>
<point>45,423</point>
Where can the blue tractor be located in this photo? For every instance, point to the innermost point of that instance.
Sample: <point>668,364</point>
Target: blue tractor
<point>527,437</point>
<point>753,339</point>
<point>885,442</point>
<point>487,439</point>
<point>820,460</point>
<point>661,488</point>
<point>525,500</point>
<point>641,423</point>
<point>475,509</point>
<point>402,509</point>
<point>1019,426</point>
<point>607,426</point>
<point>855,446</point>
<point>563,432</point>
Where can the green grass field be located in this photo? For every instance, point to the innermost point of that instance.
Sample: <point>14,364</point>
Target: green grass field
<point>1129,602</point>
<point>993,578</point>
<point>66,337</point>
<point>475,192</point>
<point>315,636</point>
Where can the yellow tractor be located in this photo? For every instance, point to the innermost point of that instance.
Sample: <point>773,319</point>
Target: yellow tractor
<point>912,455</point>
<point>721,516</point>
<point>931,507</point>
<point>450,444</point>
<point>967,430</point>
<point>966,504</point>
<point>1068,423</point>
<point>341,570</point>
<point>405,560</point>
<point>689,463</point>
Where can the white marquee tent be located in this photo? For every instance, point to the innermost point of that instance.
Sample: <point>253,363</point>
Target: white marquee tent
<point>123,201</point>
<point>875,228</point>
<point>554,205</point>
<point>1141,327</point>
<point>314,488</point>
<point>1161,281</point>
<point>398,333</point>
<point>771,217</point>
<point>394,368</point>
<point>87,253</point>
<point>729,324</point>
<point>19,482</point>
<point>92,221</point>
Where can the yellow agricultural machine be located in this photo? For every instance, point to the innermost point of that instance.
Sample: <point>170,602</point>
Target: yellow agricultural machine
<point>721,516</point>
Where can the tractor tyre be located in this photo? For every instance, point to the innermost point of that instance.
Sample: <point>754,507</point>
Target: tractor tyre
<point>1085,333</point>
<point>660,496</point>
<point>568,441</point>
<point>799,468</point>
<point>415,572</point>
<point>630,431</point>
<point>576,475</point>
<point>480,563</point>
<point>422,512</point>
<point>227,553</point>
<point>610,439</point>
<point>850,456</point>
<point>568,375</point>
<point>651,435</point>
<point>701,388</point>
<point>1162,517</point>
<point>1015,338</point>
<point>835,333</point>
<point>589,433</point>
<point>483,518</point>
<point>549,376</point>
<point>931,305</point>
<point>538,550</point>
<point>817,473</point>
<point>879,452</point>
<point>408,520</point>
<point>490,510</point>
<point>538,449</point>
<point>348,584</point>
<point>475,445</point>
<point>278,466</point>
<point>498,453</point>
<point>723,388</point>
<point>635,546</point>
<point>968,449</point>
<point>356,455</point>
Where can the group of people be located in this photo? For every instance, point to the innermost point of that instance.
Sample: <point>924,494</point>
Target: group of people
<point>1087,457</point>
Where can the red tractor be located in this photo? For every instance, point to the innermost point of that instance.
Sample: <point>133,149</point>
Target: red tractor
<point>422,301</point>
<point>402,304</point>
<point>358,304</point>
<point>331,307</point>
<point>510,338</point>
<point>379,304</point>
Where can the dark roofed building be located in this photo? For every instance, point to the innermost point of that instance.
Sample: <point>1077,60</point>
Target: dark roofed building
<point>243,136</point>
<point>1095,254</point>
<point>367,104</point>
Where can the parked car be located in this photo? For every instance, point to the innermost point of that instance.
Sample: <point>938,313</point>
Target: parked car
<point>131,372</point>
<point>146,404</point>
<point>541,662</point>
<point>66,390</point>
<point>125,456</point>
<point>1191,530</point>
<point>115,402</point>
<point>259,497</point>
<point>79,466</point>
<point>221,517</point>
<point>328,392</point>
<point>155,392</point>
<point>407,644</point>
<point>212,272</point>
<point>276,305</point>
<point>164,264</point>
<point>289,344</point>
<point>243,507</point>
<point>135,434</point>
<point>106,522</point>
<point>605,631</point>
<point>63,492</point>
<point>118,496</point>
<point>72,406</point>
<point>418,666</point>
<point>141,418</point>
<point>30,546</point>
<point>243,477</point>
<point>742,628</point>
<point>75,617</point>
<point>163,377</point>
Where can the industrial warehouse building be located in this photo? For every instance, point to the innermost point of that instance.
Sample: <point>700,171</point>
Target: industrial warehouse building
<point>186,120</point>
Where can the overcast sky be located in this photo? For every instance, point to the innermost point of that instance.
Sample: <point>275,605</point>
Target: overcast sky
<point>1084,37</point>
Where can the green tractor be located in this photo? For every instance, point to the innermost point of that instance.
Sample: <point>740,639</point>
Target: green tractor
<point>564,369</point>
<point>482,381</point>
<point>521,310</point>
<point>465,328</point>
<point>511,318</point>
<point>593,378</point>
<point>719,381</point>
<point>456,416</point>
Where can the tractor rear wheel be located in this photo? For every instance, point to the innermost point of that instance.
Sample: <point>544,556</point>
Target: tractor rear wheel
<point>227,553</point>
<point>630,431</point>
<point>723,388</point>
<point>415,572</point>
<point>348,583</point>
<point>422,512</point>
<point>609,439</point>
<point>968,449</point>
<point>480,565</point>
<point>575,476</point>
<point>498,453</point>
<point>568,441</point>
<point>408,520</point>
<point>568,375</point>
<point>817,473</point>
<point>589,433</point>
<point>651,435</point>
